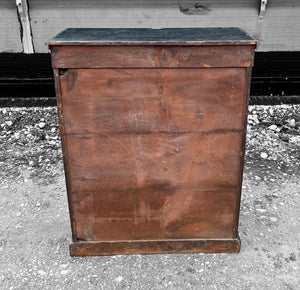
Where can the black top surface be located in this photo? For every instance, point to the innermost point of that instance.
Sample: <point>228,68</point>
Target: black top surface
<point>136,36</point>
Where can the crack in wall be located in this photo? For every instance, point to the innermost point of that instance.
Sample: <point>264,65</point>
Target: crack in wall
<point>25,26</point>
<point>20,27</point>
<point>29,19</point>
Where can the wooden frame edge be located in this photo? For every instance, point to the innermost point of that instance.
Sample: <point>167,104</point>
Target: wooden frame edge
<point>96,248</point>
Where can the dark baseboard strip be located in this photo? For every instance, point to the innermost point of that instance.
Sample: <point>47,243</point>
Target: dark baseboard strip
<point>274,100</point>
<point>27,102</point>
<point>50,102</point>
<point>27,79</point>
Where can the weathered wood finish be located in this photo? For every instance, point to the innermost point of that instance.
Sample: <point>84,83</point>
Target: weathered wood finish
<point>192,160</point>
<point>155,247</point>
<point>153,145</point>
<point>151,56</point>
<point>153,100</point>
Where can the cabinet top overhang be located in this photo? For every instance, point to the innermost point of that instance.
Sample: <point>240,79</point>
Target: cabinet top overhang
<point>148,36</point>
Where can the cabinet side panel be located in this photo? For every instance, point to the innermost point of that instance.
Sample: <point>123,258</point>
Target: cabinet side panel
<point>64,149</point>
<point>243,144</point>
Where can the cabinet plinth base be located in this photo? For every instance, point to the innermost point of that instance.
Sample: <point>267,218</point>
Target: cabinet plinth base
<point>94,248</point>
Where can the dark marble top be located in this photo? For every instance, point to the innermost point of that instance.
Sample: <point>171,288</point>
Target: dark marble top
<point>147,36</point>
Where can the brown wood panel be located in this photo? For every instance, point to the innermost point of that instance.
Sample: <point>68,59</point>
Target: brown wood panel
<point>151,56</point>
<point>155,247</point>
<point>153,100</point>
<point>153,140</point>
<point>124,162</point>
<point>154,213</point>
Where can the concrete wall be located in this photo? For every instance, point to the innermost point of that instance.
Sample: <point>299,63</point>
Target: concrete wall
<point>278,30</point>
<point>10,39</point>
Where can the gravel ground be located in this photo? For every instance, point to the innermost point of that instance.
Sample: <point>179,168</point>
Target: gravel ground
<point>35,228</point>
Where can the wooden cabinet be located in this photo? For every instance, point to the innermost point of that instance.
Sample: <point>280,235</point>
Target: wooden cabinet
<point>153,126</point>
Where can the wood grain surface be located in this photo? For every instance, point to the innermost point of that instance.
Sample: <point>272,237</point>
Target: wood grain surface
<point>159,159</point>
<point>121,162</point>
<point>154,213</point>
<point>153,141</point>
<point>155,247</point>
<point>153,100</point>
<point>77,56</point>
